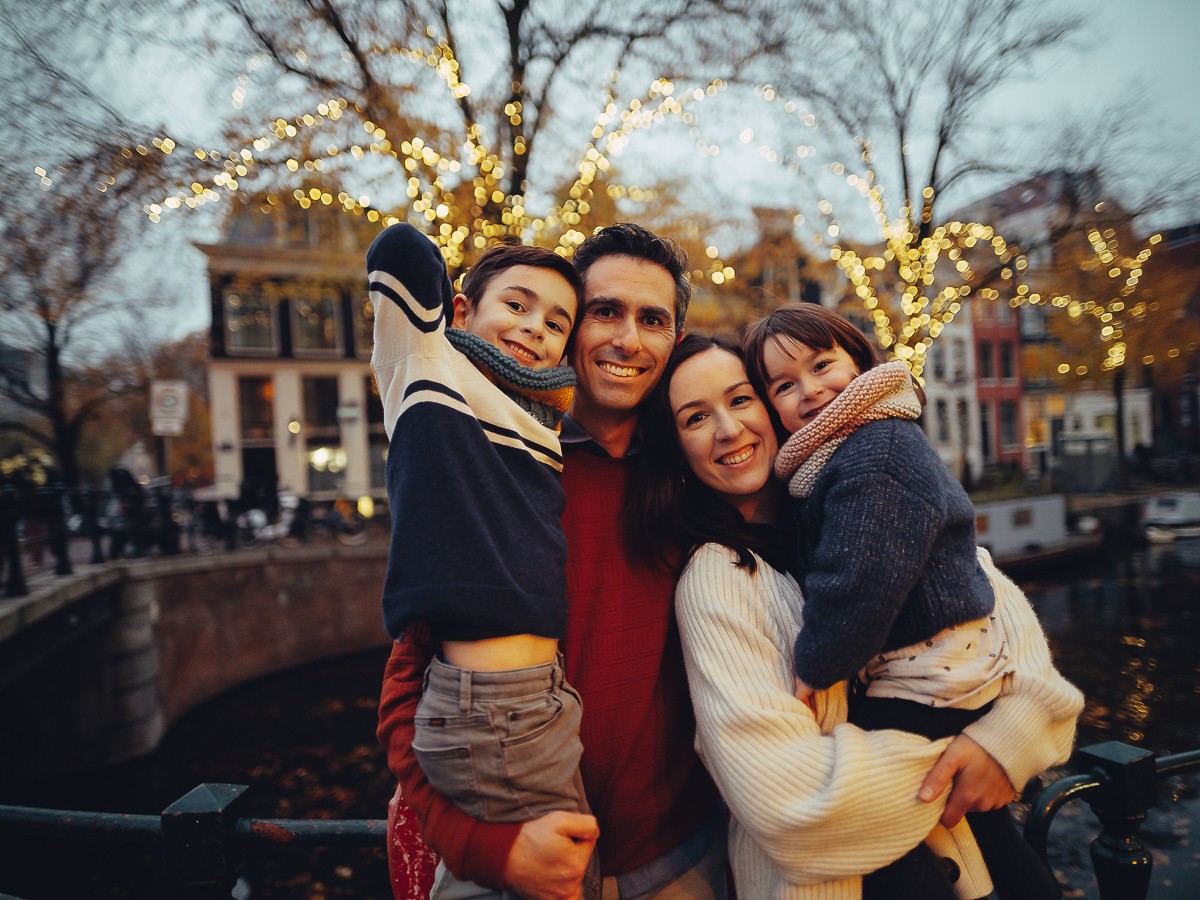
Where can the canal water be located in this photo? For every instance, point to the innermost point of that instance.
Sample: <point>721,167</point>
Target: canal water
<point>1125,628</point>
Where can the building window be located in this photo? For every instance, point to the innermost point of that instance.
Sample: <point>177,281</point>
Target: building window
<point>364,326</point>
<point>377,440</point>
<point>1008,423</point>
<point>987,365</point>
<point>250,327</point>
<point>1008,370</point>
<point>943,421</point>
<point>256,402</point>
<point>316,323</point>
<point>985,431</point>
<point>323,436</point>
<point>959,348</point>
<point>939,362</point>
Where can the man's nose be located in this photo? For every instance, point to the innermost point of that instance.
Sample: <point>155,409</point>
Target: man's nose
<point>626,336</point>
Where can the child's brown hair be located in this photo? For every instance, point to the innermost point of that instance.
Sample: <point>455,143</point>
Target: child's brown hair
<point>812,325</point>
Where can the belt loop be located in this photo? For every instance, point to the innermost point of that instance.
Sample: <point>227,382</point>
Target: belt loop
<point>464,691</point>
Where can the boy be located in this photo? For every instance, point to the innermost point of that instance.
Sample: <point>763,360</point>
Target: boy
<point>478,551</point>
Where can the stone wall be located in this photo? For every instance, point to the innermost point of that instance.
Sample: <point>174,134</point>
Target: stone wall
<point>183,631</point>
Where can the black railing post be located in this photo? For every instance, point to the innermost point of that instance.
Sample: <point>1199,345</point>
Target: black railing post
<point>197,830</point>
<point>10,544</point>
<point>1127,791</point>
<point>93,511</point>
<point>56,518</point>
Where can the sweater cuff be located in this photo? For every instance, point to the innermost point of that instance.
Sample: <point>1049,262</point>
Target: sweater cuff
<point>1005,733</point>
<point>485,853</point>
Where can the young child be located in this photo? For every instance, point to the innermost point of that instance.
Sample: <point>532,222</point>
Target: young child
<point>473,391</point>
<point>895,599</point>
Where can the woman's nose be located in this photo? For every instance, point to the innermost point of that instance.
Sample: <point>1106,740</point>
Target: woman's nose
<point>728,426</point>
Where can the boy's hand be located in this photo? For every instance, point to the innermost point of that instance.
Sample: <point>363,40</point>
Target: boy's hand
<point>806,695</point>
<point>980,784</point>
<point>550,856</point>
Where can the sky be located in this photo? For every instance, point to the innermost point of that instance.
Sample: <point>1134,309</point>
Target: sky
<point>1141,50</point>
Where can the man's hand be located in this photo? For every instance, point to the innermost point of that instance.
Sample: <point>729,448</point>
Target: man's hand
<point>550,856</point>
<point>979,782</point>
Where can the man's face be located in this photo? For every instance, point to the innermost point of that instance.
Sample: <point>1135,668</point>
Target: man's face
<point>526,312</point>
<point>625,333</point>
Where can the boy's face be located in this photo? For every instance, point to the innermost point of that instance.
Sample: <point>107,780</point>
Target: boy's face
<point>526,312</point>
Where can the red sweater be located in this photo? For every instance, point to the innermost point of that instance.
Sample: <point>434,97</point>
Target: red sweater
<point>644,781</point>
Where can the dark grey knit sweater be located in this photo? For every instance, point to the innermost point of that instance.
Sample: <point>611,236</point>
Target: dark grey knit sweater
<point>886,552</point>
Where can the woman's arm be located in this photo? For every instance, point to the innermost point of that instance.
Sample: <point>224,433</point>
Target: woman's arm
<point>1031,726</point>
<point>822,806</point>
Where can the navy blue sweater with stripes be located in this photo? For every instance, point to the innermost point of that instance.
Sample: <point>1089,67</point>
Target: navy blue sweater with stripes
<point>474,481</point>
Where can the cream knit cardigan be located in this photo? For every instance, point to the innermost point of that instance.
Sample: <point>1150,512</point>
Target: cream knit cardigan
<point>814,806</point>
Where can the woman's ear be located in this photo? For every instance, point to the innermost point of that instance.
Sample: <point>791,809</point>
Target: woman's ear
<point>462,309</point>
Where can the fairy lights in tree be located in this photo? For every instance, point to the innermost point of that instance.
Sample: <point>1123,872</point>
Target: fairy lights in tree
<point>1116,318</point>
<point>905,289</point>
<point>460,201</point>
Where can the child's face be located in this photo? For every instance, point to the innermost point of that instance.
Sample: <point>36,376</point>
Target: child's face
<point>526,312</point>
<point>802,381</point>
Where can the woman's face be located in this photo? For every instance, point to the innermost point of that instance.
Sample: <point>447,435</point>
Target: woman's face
<point>724,430</point>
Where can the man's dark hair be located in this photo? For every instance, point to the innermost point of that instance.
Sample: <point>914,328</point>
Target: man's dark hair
<point>505,255</point>
<point>628,239</point>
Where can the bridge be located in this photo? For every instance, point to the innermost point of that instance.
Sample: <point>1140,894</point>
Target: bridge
<point>96,666</point>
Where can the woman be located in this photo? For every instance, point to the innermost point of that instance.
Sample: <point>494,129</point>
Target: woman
<point>814,802</point>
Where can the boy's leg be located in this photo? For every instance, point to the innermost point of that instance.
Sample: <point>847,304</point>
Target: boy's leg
<point>503,746</point>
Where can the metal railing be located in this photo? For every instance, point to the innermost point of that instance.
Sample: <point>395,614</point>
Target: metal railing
<point>202,834</point>
<point>135,522</point>
<point>1120,784</point>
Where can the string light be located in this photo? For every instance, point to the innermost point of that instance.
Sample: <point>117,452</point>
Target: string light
<point>461,200</point>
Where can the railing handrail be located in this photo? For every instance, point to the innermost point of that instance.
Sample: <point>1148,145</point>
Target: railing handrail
<point>248,830</point>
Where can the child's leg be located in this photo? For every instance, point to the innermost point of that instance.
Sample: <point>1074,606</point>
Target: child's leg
<point>503,746</point>
<point>917,875</point>
<point>1018,873</point>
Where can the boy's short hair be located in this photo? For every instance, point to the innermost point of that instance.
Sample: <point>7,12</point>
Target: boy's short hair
<point>506,254</point>
<point>812,325</point>
<point>628,239</point>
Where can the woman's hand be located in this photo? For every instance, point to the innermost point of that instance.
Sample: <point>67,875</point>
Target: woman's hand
<point>980,784</point>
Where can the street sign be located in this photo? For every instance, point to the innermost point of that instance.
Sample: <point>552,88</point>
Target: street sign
<point>168,407</point>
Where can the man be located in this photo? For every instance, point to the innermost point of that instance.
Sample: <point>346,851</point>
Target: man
<point>661,825</point>
<point>660,819</point>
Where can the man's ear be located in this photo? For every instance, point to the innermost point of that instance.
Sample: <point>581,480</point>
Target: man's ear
<point>678,336</point>
<point>462,306</point>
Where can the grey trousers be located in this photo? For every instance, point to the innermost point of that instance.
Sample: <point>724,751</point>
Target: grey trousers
<point>502,746</point>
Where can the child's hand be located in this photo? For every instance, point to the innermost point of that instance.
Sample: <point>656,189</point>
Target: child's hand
<point>806,695</point>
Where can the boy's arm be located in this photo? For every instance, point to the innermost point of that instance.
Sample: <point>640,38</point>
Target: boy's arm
<point>472,850</point>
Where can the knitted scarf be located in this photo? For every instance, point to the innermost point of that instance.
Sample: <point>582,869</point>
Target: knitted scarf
<point>884,392</point>
<point>543,393</point>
